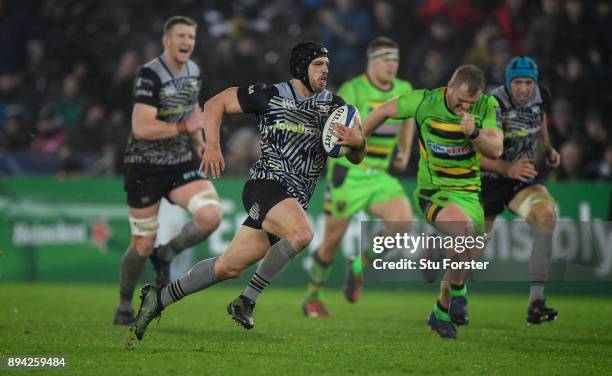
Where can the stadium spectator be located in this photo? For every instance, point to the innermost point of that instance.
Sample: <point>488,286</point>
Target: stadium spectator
<point>243,149</point>
<point>54,44</point>
<point>479,53</point>
<point>544,28</point>
<point>66,107</point>
<point>563,122</point>
<point>50,135</point>
<point>14,135</point>
<point>597,138</point>
<point>602,169</point>
<point>463,14</point>
<point>440,37</point>
<point>88,134</point>
<point>118,96</point>
<point>575,29</point>
<point>433,70</point>
<point>345,31</point>
<point>514,19</point>
<point>571,158</point>
<point>393,20</point>
<point>501,54</point>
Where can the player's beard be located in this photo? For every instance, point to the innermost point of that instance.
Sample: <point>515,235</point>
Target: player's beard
<point>319,84</point>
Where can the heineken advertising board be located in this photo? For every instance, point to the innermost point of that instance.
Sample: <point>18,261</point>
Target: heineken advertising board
<point>77,229</point>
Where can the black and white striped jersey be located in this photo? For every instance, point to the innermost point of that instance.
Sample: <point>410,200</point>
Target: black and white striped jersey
<point>290,126</point>
<point>521,125</point>
<point>174,95</point>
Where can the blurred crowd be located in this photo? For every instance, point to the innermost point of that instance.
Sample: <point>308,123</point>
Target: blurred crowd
<point>67,66</point>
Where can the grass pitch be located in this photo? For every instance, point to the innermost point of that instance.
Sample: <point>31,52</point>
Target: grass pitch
<point>385,333</point>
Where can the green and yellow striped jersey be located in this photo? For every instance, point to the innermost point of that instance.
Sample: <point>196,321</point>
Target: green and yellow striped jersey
<point>448,159</point>
<point>361,93</point>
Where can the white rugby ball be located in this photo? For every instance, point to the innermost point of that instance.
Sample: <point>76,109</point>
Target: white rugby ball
<point>346,115</point>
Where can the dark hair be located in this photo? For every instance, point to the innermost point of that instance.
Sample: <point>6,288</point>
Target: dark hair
<point>470,75</point>
<point>381,42</point>
<point>178,20</point>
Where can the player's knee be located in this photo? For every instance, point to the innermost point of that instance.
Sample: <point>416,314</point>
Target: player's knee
<point>402,227</point>
<point>545,220</point>
<point>225,270</point>
<point>143,245</point>
<point>208,218</point>
<point>204,206</point>
<point>300,238</point>
<point>326,251</point>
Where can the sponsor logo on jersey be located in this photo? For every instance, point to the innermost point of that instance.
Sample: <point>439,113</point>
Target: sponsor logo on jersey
<point>144,81</point>
<point>450,150</point>
<point>518,133</point>
<point>172,111</point>
<point>193,174</point>
<point>254,211</point>
<point>323,107</point>
<point>295,128</point>
<point>168,91</point>
<point>288,104</point>
<point>144,93</point>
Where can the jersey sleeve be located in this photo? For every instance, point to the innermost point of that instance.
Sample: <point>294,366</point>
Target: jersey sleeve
<point>407,104</point>
<point>348,93</point>
<point>338,101</point>
<point>201,94</point>
<point>146,87</point>
<point>254,99</point>
<point>546,98</point>
<point>406,87</point>
<point>492,118</point>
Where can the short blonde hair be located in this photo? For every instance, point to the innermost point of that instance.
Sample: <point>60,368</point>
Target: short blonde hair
<point>178,20</point>
<point>469,75</point>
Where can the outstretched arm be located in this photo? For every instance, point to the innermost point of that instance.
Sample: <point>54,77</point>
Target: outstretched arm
<point>225,102</point>
<point>552,156</point>
<point>402,157</point>
<point>521,170</point>
<point>380,115</point>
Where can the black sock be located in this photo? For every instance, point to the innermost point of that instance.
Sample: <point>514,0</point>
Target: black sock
<point>130,270</point>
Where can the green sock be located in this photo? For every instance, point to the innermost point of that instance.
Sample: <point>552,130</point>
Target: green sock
<point>440,312</point>
<point>318,274</point>
<point>455,290</point>
<point>357,266</point>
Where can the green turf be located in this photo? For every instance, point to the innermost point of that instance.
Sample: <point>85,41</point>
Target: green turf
<point>384,333</point>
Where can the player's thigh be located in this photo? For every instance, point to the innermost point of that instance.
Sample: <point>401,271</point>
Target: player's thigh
<point>396,213</point>
<point>288,220</point>
<point>334,230</point>
<point>200,198</point>
<point>536,205</point>
<point>349,195</point>
<point>248,246</point>
<point>525,194</point>
<point>453,220</point>
<point>182,195</point>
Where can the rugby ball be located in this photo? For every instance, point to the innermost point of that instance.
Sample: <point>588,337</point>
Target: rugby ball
<point>346,115</point>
